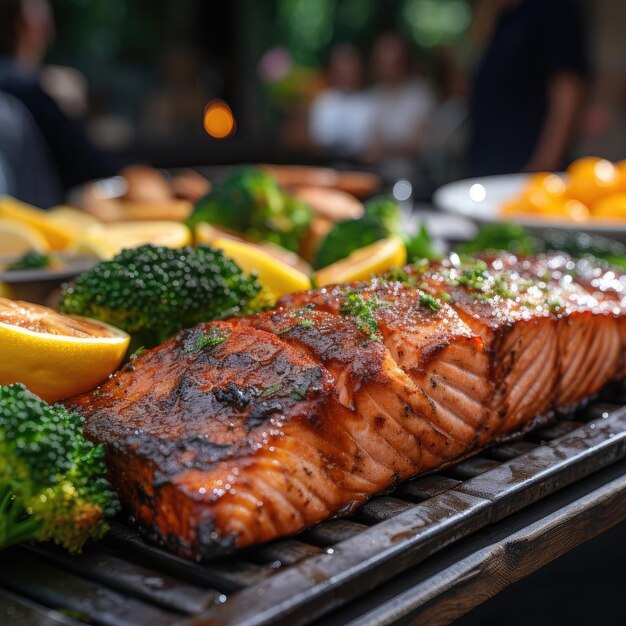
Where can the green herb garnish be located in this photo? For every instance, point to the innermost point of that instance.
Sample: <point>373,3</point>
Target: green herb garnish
<point>299,324</point>
<point>430,301</point>
<point>501,288</point>
<point>555,305</point>
<point>363,313</point>
<point>205,340</point>
<point>271,389</point>
<point>473,275</point>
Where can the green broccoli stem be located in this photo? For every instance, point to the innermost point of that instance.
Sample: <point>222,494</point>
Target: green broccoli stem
<point>16,525</point>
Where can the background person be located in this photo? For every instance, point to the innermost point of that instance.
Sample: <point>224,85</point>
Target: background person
<point>529,87</point>
<point>340,119</point>
<point>402,101</point>
<point>26,31</point>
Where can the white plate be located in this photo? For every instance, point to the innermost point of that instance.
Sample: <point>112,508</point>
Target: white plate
<point>480,200</point>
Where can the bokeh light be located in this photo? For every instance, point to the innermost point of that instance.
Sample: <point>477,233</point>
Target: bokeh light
<point>219,121</point>
<point>436,22</point>
<point>477,192</point>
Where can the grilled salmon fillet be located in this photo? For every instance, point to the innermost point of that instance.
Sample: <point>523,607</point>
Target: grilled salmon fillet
<point>238,432</point>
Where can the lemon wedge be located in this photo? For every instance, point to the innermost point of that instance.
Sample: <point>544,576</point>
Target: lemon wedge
<point>92,246</point>
<point>17,239</point>
<point>206,234</point>
<point>73,220</point>
<point>279,277</point>
<point>364,262</point>
<point>57,236</point>
<point>56,356</point>
<point>106,240</point>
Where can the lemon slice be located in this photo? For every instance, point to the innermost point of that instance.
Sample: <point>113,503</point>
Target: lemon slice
<point>364,262</point>
<point>71,219</point>
<point>56,356</point>
<point>17,239</point>
<point>92,246</point>
<point>106,240</point>
<point>57,236</point>
<point>205,233</point>
<point>279,277</point>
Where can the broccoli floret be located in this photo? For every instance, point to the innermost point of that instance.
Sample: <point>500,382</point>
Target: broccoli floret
<point>30,261</point>
<point>251,202</point>
<point>52,485</point>
<point>153,292</point>
<point>510,237</point>
<point>381,219</point>
<point>421,246</point>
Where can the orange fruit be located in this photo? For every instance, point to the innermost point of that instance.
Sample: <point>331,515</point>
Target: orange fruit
<point>621,168</point>
<point>591,178</point>
<point>612,207</point>
<point>551,184</point>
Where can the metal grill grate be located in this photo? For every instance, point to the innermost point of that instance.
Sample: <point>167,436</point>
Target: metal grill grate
<point>125,581</point>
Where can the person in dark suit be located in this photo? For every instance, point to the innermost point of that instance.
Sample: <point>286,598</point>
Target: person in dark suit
<point>26,31</point>
<point>529,86</point>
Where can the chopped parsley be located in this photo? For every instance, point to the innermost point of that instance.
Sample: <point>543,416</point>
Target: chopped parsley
<point>299,324</point>
<point>137,353</point>
<point>502,288</point>
<point>299,392</point>
<point>555,305</point>
<point>363,313</point>
<point>204,340</point>
<point>399,275</point>
<point>271,389</point>
<point>431,302</point>
<point>473,275</point>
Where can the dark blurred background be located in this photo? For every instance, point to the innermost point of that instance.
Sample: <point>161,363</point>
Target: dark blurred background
<point>152,80</point>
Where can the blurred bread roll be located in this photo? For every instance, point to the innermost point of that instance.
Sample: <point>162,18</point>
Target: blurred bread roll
<point>332,204</point>
<point>189,185</point>
<point>300,175</point>
<point>172,210</point>
<point>146,184</point>
<point>359,184</point>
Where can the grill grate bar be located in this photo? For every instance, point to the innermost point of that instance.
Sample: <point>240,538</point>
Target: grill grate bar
<point>427,486</point>
<point>382,508</point>
<point>99,565</point>
<point>285,552</point>
<point>57,589</point>
<point>17,611</point>
<point>471,467</point>
<point>223,575</point>
<point>508,451</point>
<point>333,531</point>
<point>558,429</point>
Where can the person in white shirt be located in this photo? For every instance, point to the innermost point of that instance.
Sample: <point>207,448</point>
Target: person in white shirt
<point>402,103</point>
<point>340,119</point>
